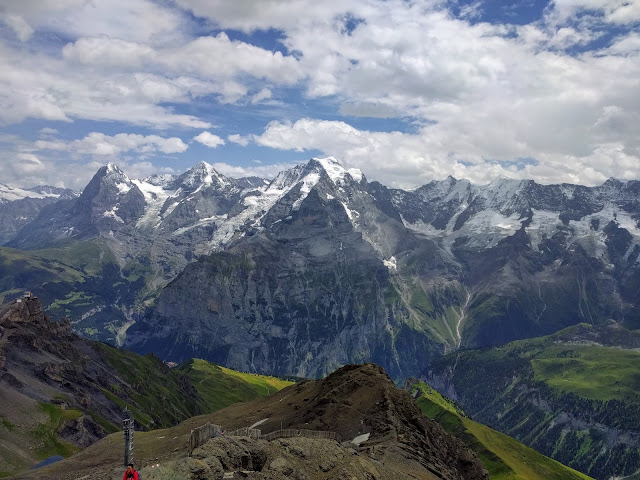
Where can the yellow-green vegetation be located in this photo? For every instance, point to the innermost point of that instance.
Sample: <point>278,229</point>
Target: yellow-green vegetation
<point>504,457</point>
<point>156,395</point>
<point>88,257</point>
<point>6,423</point>
<point>597,373</point>
<point>46,433</point>
<point>221,387</point>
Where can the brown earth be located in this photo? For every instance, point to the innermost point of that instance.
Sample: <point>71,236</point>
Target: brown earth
<point>354,400</point>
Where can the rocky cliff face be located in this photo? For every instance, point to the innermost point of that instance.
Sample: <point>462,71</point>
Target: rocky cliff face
<point>319,267</point>
<point>309,288</point>
<point>339,270</point>
<point>59,390</point>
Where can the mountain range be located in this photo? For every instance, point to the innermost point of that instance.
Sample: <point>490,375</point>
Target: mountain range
<point>20,206</point>
<point>319,267</point>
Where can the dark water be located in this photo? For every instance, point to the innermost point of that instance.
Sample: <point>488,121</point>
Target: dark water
<point>48,461</point>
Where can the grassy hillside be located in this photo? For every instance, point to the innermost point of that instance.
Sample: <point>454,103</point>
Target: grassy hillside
<point>593,372</point>
<point>221,387</point>
<point>572,395</point>
<point>79,280</point>
<point>504,457</point>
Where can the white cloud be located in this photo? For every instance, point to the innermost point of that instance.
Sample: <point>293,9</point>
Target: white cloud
<point>18,24</point>
<point>248,15</point>
<point>410,160</point>
<point>263,94</point>
<point>29,163</point>
<point>97,143</point>
<point>132,20</point>
<point>38,86</point>
<point>479,96</point>
<point>239,139</point>
<point>614,11</point>
<point>108,51</point>
<point>209,139</point>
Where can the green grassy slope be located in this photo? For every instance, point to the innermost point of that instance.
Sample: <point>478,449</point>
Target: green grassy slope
<point>79,280</point>
<point>504,457</point>
<point>593,372</point>
<point>221,387</point>
<point>572,395</point>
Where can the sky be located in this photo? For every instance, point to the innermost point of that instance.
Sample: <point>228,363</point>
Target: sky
<point>407,91</point>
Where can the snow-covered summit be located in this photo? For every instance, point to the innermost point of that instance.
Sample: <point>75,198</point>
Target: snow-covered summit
<point>10,194</point>
<point>201,175</point>
<point>336,171</point>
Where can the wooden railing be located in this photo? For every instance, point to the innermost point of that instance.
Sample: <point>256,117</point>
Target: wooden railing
<point>246,432</point>
<point>199,436</point>
<point>292,432</point>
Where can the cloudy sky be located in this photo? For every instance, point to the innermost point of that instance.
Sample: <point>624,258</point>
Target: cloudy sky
<point>407,91</point>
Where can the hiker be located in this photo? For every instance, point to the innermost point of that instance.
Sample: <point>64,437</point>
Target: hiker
<point>130,473</point>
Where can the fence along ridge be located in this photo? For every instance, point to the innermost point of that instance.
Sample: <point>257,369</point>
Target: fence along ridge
<point>200,435</point>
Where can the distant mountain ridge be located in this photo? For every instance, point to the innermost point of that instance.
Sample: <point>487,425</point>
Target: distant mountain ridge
<point>319,267</point>
<point>20,206</point>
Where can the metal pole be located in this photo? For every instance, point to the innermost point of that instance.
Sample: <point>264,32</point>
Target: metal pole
<point>127,425</point>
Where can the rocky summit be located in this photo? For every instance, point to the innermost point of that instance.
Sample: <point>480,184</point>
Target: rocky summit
<point>60,392</point>
<point>381,434</point>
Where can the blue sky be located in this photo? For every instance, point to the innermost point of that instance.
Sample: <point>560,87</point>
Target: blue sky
<point>407,91</point>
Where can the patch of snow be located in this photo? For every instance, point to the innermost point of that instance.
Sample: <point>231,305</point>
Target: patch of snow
<point>308,182</point>
<point>336,171</point>
<point>568,190</point>
<point>203,174</point>
<point>424,228</point>
<point>259,422</point>
<point>123,187</point>
<point>10,194</point>
<point>391,264</point>
<point>593,241</point>
<point>155,196</point>
<point>257,206</point>
<point>361,439</point>
<point>544,224</point>
<point>112,214</point>
<point>199,223</point>
<point>350,213</point>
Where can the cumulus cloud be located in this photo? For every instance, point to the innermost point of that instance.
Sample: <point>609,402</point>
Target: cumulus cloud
<point>97,143</point>
<point>18,24</point>
<point>263,94</point>
<point>133,20</point>
<point>476,97</point>
<point>209,139</point>
<point>239,139</point>
<point>38,86</point>
<point>409,160</point>
<point>613,11</point>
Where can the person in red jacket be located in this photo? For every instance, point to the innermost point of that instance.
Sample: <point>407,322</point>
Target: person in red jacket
<point>130,473</point>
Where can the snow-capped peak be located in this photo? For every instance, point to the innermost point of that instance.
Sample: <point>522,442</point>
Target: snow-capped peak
<point>336,171</point>
<point>202,174</point>
<point>10,194</point>
<point>112,168</point>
